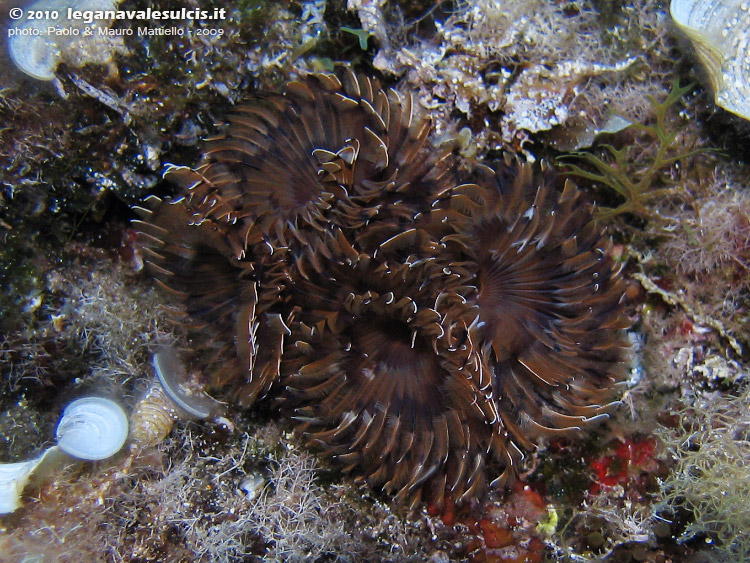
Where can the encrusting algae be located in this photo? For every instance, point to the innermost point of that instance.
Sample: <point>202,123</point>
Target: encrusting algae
<point>420,331</point>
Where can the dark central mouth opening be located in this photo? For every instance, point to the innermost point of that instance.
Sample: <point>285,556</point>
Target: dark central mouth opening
<point>387,340</point>
<point>404,368</point>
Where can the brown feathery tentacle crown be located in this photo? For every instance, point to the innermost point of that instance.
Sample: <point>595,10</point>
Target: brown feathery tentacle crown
<point>420,332</point>
<point>384,377</point>
<point>549,298</point>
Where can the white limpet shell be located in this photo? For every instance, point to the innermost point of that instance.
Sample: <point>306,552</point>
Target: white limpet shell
<point>92,428</point>
<point>35,51</point>
<point>720,32</point>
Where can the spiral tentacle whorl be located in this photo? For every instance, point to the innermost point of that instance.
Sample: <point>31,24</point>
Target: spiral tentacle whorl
<point>420,332</point>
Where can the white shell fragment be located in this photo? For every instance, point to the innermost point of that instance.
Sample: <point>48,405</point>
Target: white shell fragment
<point>252,485</point>
<point>92,428</point>
<point>720,32</point>
<point>15,476</point>
<point>614,124</point>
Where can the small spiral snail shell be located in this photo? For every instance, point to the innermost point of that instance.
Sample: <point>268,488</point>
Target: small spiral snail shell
<point>152,417</point>
<point>166,401</point>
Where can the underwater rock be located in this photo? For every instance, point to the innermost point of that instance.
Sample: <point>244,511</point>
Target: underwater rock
<point>720,32</point>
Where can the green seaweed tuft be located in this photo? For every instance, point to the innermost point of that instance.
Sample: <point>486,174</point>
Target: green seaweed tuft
<point>637,177</point>
<point>362,35</point>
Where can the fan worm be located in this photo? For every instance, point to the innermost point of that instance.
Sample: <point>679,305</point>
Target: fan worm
<point>420,331</point>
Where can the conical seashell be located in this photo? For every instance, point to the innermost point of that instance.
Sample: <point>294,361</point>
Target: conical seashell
<point>152,417</point>
<point>92,428</point>
<point>167,400</point>
<point>720,32</point>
